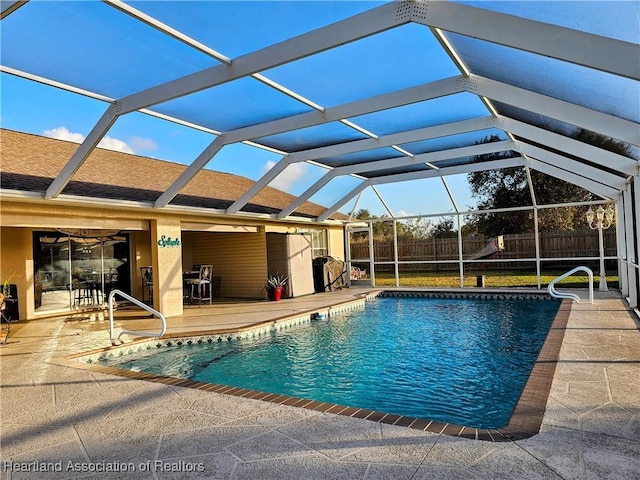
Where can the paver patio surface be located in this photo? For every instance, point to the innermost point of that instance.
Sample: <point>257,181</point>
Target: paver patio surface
<point>56,417</point>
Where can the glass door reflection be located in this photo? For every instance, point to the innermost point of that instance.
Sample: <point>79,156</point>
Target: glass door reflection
<point>78,272</point>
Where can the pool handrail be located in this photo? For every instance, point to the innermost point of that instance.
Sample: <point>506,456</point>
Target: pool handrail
<point>554,293</point>
<point>140,304</point>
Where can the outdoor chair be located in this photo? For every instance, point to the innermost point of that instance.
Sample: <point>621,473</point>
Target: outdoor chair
<point>358,273</point>
<point>146,273</point>
<point>200,287</point>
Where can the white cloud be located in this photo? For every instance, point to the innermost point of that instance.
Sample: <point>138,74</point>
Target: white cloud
<point>115,144</point>
<point>293,173</point>
<point>63,133</point>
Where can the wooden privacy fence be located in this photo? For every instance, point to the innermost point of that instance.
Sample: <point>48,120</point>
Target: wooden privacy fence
<point>519,246</point>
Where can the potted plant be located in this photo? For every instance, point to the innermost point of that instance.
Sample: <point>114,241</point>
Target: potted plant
<point>5,293</point>
<point>5,296</point>
<point>274,286</point>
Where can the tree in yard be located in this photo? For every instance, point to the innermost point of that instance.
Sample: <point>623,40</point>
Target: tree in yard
<point>381,230</point>
<point>416,228</point>
<point>499,189</point>
<point>509,188</point>
<point>444,229</point>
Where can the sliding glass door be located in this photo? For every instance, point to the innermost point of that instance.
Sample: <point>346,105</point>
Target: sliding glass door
<point>78,271</point>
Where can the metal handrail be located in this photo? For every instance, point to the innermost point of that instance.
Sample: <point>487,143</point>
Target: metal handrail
<point>554,293</point>
<point>142,305</point>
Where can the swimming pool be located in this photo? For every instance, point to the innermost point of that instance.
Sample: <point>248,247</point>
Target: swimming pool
<point>456,361</point>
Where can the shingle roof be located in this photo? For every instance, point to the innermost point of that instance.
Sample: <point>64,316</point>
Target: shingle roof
<point>31,162</point>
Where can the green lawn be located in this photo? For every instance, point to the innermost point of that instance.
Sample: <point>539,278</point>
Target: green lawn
<point>492,279</point>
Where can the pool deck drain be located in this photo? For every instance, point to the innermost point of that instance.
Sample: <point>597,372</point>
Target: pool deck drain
<point>52,413</point>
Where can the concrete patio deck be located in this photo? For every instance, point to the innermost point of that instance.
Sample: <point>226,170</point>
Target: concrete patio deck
<point>77,421</point>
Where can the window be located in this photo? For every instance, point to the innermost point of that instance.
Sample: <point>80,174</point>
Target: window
<point>319,243</point>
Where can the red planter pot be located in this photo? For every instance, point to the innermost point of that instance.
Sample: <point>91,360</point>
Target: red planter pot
<point>275,293</point>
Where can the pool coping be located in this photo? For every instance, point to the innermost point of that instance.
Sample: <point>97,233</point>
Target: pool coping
<point>524,422</point>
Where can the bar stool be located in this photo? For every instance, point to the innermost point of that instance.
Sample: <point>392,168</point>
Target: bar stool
<point>80,291</point>
<point>146,274</point>
<point>201,286</point>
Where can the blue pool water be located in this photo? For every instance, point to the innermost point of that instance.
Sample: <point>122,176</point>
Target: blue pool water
<point>457,361</point>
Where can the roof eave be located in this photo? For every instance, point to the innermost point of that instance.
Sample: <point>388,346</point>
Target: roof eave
<point>148,207</point>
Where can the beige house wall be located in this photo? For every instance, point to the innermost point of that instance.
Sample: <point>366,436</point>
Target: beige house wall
<point>166,252</point>
<point>16,266</point>
<point>238,259</point>
<point>236,247</point>
<point>335,242</point>
<point>15,214</point>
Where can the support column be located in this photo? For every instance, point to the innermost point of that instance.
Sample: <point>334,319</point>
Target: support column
<point>623,270</point>
<point>371,256</point>
<point>633,296</point>
<point>460,255</point>
<point>166,248</point>
<point>396,270</point>
<point>631,235</point>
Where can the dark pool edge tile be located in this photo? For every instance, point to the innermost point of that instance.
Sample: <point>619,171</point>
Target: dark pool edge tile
<point>420,424</point>
<point>436,427</point>
<point>527,416</point>
<point>390,418</point>
<point>363,413</point>
<point>375,416</point>
<point>404,421</point>
<point>508,433</point>
<point>524,422</point>
<point>321,407</point>
<point>336,409</point>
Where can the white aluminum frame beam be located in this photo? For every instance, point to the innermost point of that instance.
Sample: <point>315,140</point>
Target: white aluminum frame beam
<point>339,33</point>
<point>96,134</point>
<point>308,193</point>
<point>402,177</point>
<point>426,133</point>
<point>406,96</point>
<point>609,125</point>
<point>636,192</point>
<point>454,170</point>
<point>608,159</point>
<point>564,111</point>
<point>166,29</point>
<point>96,96</point>
<point>384,204</point>
<point>580,48</point>
<point>52,83</point>
<point>574,166</point>
<point>633,250</point>
<point>561,110</point>
<point>325,38</point>
<point>586,183</point>
<point>398,98</point>
<point>621,245</point>
<point>431,157</point>
<point>409,136</point>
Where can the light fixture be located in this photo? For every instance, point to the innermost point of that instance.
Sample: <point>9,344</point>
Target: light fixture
<point>604,219</point>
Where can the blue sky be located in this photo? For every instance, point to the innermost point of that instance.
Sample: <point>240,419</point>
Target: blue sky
<point>100,49</point>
